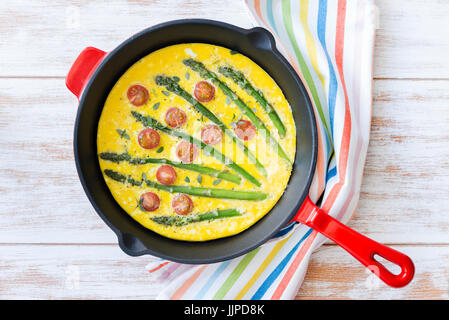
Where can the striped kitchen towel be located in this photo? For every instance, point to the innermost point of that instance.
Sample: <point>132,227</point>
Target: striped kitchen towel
<point>330,44</point>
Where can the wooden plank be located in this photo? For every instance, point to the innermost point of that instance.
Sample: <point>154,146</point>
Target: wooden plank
<point>73,272</point>
<point>406,178</point>
<point>409,42</point>
<point>53,43</point>
<point>409,39</point>
<point>104,272</point>
<point>42,199</point>
<point>334,274</point>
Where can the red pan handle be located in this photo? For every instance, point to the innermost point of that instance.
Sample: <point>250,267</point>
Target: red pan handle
<point>82,69</point>
<point>359,246</point>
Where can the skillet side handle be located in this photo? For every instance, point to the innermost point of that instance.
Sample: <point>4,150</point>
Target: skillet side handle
<point>82,69</point>
<point>359,246</point>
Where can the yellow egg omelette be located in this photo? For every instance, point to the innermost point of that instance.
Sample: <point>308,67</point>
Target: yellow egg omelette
<point>196,142</point>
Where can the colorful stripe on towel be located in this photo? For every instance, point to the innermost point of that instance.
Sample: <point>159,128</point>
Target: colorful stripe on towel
<point>330,44</point>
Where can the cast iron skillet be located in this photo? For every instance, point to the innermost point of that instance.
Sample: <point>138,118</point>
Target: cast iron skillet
<point>95,72</point>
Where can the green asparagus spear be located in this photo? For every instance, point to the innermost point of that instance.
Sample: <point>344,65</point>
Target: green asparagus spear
<point>173,86</point>
<point>114,175</point>
<point>243,83</point>
<point>118,157</point>
<point>195,191</point>
<point>183,220</point>
<point>115,157</point>
<point>205,73</point>
<point>147,121</point>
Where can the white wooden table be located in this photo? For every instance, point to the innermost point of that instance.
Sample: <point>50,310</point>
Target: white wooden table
<point>53,244</point>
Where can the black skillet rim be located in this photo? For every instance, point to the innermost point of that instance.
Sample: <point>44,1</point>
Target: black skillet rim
<point>122,238</point>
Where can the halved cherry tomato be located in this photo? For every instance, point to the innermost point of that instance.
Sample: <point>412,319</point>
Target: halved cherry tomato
<point>186,152</point>
<point>182,204</point>
<point>244,129</point>
<point>166,174</point>
<point>211,134</point>
<point>148,138</point>
<point>150,201</point>
<point>175,117</point>
<point>137,95</point>
<point>204,91</point>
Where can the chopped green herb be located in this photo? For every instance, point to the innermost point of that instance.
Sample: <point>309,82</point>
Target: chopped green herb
<point>160,149</point>
<point>166,93</point>
<point>187,75</point>
<point>156,105</point>
<point>228,100</point>
<point>216,182</point>
<point>140,205</point>
<point>176,78</point>
<point>233,52</point>
<point>187,179</point>
<point>123,134</point>
<point>199,179</point>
